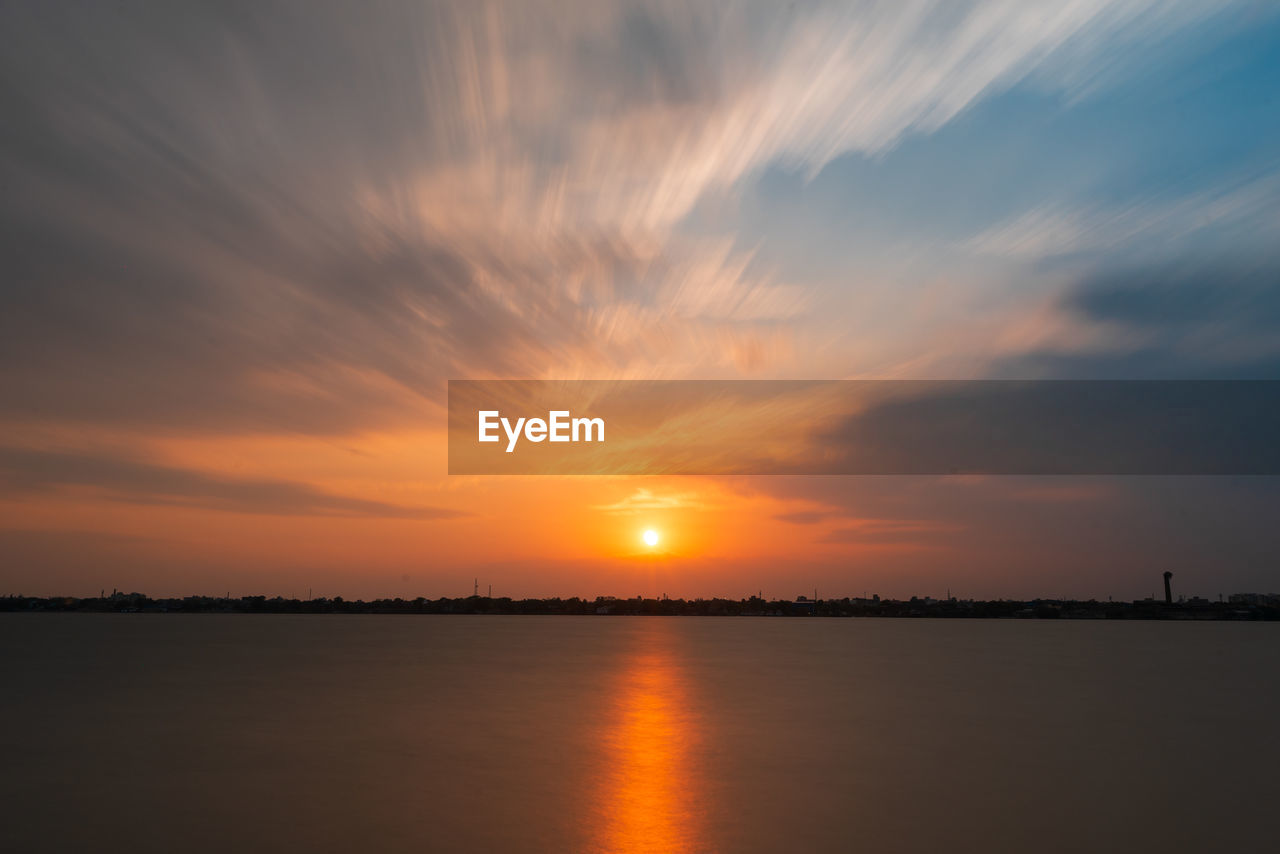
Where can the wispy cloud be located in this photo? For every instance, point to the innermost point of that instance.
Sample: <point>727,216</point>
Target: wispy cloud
<point>24,472</point>
<point>1059,229</point>
<point>645,500</point>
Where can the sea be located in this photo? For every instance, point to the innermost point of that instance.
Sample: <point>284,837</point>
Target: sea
<point>337,733</point>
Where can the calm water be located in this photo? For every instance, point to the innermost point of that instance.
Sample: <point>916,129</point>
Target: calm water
<point>561,734</point>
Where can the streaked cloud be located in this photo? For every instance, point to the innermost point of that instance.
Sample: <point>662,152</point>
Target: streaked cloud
<point>25,471</point>
<point>1049,230</point>
<point>316,213</point>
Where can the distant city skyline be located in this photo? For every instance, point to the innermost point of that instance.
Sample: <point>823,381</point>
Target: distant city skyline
<point>1239,607</point>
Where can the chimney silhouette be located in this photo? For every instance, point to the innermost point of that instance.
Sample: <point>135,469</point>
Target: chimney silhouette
<point>1168,594</point>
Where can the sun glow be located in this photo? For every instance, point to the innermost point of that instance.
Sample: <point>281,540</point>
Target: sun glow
<point>650,538</point>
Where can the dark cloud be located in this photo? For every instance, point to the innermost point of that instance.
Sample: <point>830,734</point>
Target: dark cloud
<point>1061,427</point>
<point>24,472</point>
<point>1183,298</point>
<point>1184,319</point>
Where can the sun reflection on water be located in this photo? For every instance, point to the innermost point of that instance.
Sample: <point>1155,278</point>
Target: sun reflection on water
<point>649,799</point>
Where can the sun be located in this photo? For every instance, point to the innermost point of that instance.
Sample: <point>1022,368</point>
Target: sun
<point>650,538</point>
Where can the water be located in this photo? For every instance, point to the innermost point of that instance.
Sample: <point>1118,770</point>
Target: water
<point>561,734</point>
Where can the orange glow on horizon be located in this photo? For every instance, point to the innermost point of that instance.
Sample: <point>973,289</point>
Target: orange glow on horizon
<point>262,509</point>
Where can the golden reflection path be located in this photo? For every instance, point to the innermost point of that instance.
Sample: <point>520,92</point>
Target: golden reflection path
<point>649,798</point>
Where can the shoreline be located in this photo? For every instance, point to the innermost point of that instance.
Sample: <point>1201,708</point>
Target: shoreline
<point>1241,607</point>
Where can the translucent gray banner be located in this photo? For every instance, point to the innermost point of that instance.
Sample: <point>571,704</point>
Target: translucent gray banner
<point>862,427</point>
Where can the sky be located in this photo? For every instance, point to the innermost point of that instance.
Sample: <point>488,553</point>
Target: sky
<point>245,245</point>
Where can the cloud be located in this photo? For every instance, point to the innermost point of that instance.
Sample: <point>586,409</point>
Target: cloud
<point>1060,428</point>
<point>1183,297</point>
<point>307,218</point>
<point>1207,318</point>
<point>645,500</point>
<point>1249,205</point>
<point>23,472</point>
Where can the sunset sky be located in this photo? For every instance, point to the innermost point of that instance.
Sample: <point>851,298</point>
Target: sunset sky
<point>246,245</point>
